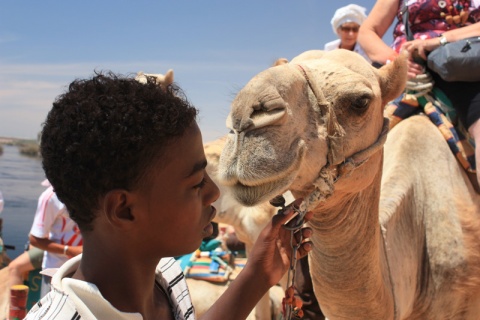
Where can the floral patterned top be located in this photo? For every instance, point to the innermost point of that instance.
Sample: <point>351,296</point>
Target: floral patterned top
<point>430,18</point>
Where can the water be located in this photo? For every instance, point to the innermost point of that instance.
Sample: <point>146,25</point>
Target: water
<point>20,179</point>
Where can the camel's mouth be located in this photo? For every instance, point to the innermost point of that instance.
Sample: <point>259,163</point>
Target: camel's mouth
<point>256,177</point>
<point>253,195</point>
<point>250,193</point>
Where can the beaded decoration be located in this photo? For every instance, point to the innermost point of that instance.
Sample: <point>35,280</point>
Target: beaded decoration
<point>454,13</point>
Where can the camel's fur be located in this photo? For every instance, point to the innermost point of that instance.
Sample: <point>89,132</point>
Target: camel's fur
<point>404,244</point>
<point>247,221</point>
<point>205,293</point>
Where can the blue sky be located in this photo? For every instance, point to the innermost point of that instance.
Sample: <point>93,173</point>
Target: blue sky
<point>214,47</point>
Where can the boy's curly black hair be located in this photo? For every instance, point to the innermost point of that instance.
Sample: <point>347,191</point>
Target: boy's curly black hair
<point>104,133</point>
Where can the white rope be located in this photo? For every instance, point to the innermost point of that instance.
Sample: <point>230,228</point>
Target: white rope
<point>422,84</point>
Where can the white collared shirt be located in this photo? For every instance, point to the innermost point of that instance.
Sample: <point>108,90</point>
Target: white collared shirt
<point>76,299</point>
<point>335,44</point>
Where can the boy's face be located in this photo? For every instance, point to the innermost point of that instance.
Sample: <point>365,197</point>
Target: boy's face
<point>175,200</point>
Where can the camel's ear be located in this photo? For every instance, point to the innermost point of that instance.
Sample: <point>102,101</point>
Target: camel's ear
<point>168,78</point>
<point>280,61</point>
<point>393,78</point>
<point>141,77</point>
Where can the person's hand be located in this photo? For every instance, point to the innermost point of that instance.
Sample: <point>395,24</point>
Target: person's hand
<point>417,52</point>
<point>271,253</point>
<point>73,251</point>
<point>414,69</point>
<point>420,47</point>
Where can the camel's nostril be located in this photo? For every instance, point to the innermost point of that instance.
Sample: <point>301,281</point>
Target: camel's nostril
<point>262,118</point>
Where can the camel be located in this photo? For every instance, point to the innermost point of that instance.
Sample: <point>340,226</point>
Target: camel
<point>163,80</point>
<point>396,225</point>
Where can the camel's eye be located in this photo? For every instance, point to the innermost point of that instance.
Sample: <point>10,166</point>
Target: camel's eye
<point>360,104</point>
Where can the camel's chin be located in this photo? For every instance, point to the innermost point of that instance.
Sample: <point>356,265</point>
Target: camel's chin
<point>251,196</point>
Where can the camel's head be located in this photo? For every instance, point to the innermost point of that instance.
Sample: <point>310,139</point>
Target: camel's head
<point>162,80</point>
<point>284,131</point>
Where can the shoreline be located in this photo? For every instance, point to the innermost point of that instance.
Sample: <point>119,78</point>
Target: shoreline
<point>26,147</point>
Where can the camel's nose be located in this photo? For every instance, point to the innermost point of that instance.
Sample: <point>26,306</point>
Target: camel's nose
<point>263,118</point>
<point>259,116</point>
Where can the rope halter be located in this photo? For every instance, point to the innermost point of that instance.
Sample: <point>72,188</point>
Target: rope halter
<point>338,165</point>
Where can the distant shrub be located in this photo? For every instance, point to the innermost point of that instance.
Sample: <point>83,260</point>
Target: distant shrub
<point>29,148</point>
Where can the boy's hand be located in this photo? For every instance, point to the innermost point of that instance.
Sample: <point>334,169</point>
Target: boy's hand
<point>271,253</point>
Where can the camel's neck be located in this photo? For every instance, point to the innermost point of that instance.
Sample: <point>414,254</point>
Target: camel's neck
<point>348,267</point>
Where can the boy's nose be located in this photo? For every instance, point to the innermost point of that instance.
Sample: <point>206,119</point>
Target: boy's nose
<point>214,193</point>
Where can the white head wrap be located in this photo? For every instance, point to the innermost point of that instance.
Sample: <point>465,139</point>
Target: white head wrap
<point>350,13</point>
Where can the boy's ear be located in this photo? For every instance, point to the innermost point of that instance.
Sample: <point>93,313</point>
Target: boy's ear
<point>117,209</point>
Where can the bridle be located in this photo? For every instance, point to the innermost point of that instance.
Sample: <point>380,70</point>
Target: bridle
<point>337,165</point>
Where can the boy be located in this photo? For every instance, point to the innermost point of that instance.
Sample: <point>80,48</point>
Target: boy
<point>127,160</point>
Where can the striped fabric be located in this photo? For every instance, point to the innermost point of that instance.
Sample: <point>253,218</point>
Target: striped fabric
<point>74,299</point>
<point>438,109</point>
<point>211,262</point>
<point>210,266</point>
<point>173,280</point>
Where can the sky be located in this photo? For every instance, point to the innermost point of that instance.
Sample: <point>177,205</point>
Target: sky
<point>214,48</point>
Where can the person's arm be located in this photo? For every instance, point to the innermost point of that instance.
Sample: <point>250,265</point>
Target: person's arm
<point>268,262</point>
<point>472,30</point>
<point>423,46</point>
<point>1,202</point>
<point>48,209</point>
<point>373,29</point>
<point>53,247</point>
